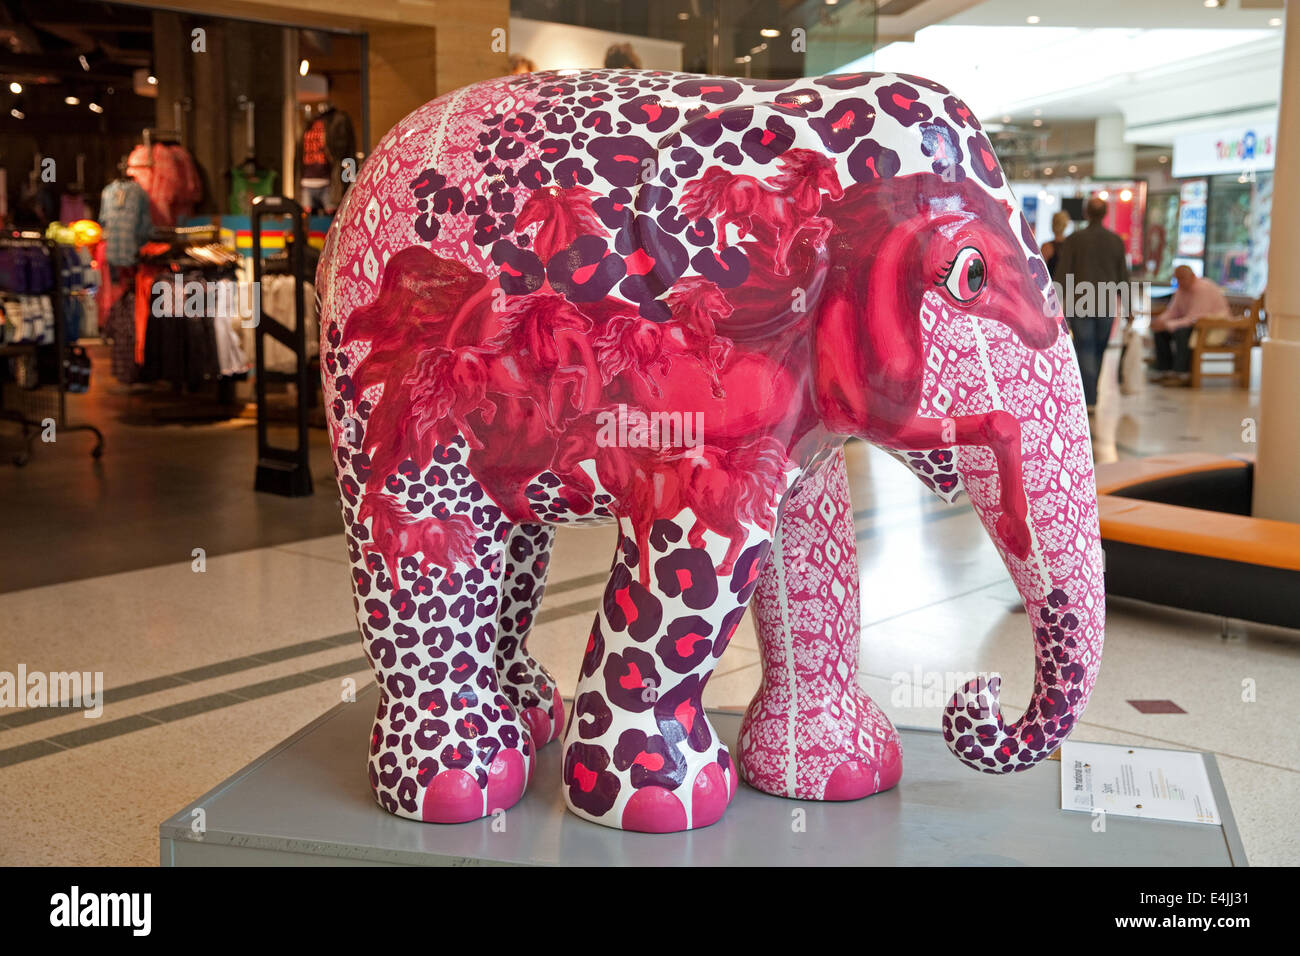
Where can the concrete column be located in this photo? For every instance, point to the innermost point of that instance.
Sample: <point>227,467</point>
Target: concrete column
<point>1112,157</point>
<point>1277,469</point>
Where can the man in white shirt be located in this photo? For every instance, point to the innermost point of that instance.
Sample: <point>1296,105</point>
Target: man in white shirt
<point>1196,298</point>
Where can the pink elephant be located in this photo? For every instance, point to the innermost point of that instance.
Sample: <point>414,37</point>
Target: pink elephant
<point>664,301</point>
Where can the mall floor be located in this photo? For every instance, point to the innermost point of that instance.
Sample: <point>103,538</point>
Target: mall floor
<point>206,671</point>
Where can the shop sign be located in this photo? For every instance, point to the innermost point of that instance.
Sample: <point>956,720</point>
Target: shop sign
<point>1191,218</point>
<point>1235,150</point>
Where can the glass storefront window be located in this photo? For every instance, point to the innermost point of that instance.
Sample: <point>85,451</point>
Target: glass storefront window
<point>759,39</point>
<point>1236,247</point>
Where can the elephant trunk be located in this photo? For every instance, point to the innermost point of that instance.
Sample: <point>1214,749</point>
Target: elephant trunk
<point>1040,509</point>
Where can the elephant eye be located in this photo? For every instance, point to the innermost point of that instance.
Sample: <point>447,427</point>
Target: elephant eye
<point>966,276</point>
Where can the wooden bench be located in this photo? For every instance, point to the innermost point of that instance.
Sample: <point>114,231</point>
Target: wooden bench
<point>1234,337</point>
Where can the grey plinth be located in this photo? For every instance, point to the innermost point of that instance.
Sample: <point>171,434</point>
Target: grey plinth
<point>308,802</point>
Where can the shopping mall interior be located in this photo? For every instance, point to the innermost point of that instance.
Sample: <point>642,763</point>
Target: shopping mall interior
<point>179,512</point>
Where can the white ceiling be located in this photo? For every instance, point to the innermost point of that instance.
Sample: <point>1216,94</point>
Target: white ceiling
<point>1163,64</point>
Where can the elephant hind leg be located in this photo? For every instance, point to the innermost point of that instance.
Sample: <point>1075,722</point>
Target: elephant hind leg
<point>811,732</point>
<point>446,745</point>
<point>529,687</point>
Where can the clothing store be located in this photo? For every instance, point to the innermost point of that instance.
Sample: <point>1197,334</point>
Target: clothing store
<point>138,150</point>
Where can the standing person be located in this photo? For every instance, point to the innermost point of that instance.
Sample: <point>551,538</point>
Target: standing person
<point>1052,248</point>
<point>1094,257</point>
<point>1195,298</point>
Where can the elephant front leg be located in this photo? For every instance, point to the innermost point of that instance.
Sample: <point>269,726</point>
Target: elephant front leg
<point>811,732</point>
<point>528,686</point>
<point>639,752</point>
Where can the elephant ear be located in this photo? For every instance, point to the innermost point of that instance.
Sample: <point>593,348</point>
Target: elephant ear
<point>718,198</point>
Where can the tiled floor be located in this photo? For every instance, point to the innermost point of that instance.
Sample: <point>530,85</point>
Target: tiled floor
<point>206,670</point>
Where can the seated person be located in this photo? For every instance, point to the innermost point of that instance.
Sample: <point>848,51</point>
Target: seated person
<point>1196,298</point>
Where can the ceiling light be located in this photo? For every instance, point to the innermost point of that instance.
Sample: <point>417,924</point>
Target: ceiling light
<point>1104,194</point>
<point>303,67</point>
<point>96,108</point>
<point>1164,159</point>
<point>151,80</point>
<point>1006,119</point>
<point>16,113</point>
<point>1047,170</point>
<point>72,101</point>
<point>85,64</point>
<point>1126,195</point>
<point>1033,19</point>
<point>1038,112</point>
<point>1275,22</point>
<point>831,3</point>
<point>1213,3</point>
<point>1072,168</point>
<point>1038,122</point>
<point>15,87</point>
<point>683,15</point>
<point>769,32</point>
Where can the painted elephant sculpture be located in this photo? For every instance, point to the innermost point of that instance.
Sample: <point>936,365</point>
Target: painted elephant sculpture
<point>665,301</point>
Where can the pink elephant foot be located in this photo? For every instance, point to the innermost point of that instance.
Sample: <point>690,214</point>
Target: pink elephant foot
<point>455,796</point>
<point>545,723</point>
<point>845,752</point>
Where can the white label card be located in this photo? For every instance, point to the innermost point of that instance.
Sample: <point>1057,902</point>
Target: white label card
<point>1137,782</point>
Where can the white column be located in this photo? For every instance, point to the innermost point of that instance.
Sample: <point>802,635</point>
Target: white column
<point>1277,470</point>
<point>1112,157</point>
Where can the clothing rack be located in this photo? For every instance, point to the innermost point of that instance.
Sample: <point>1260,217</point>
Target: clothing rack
<point>36,406</point>
<point>282,471</point>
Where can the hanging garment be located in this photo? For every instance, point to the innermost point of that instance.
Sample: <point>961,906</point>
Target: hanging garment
<point>72,206</point>
<point>244,186</point>
<point>169,176</point>
<point>126,220</point>
<point>121,330</point>
<point>328,140</point>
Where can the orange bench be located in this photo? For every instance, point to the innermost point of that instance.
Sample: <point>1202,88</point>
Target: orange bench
<point>1177,530</point>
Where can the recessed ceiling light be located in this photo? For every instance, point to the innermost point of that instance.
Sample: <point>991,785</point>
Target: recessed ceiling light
<point>1126,195</point>
<point>1038,112</point>
<point>16,113</point>
<point>1033,19</point>
<point>1006,119</point>
<point>1164,159</point>
<point>1038,122</point>
<point>831,3</point>
<point>1275,22</point>
<point>15,87</point>
<point>72,101</point>
<point>1104,194</point>
<point>683,15</point>
<point>1048,170</point>
<point>769,32</point>
<point>1072,168</point>
<point>96,108</point>
<point>304,67</point>
<point>85,64</point>
<point>151,80</point>
<point>1212,3</point>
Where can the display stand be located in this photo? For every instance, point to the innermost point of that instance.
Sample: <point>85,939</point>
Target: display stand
<point>308,802</point>
<point>282,471</point>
